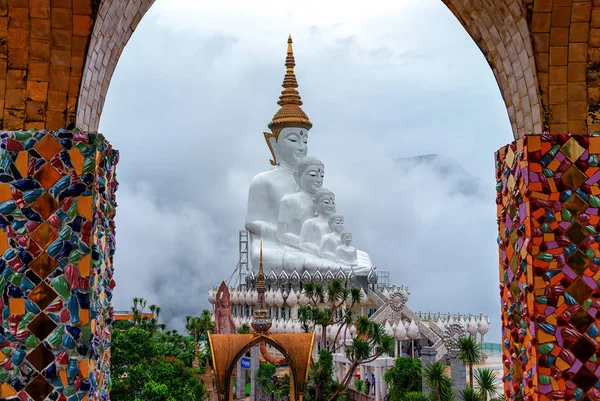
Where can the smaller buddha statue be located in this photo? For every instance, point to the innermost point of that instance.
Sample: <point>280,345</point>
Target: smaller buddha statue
<point>296,208</point>
<point>314,229</point>
<point>332,240</point>
<point>346,253</point>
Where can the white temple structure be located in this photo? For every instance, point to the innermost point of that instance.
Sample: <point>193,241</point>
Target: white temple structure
<point>304,240</point>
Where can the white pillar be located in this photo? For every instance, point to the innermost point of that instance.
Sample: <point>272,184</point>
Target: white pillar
<point>240,381</point>
<point>254,361</point>
<point>377,386</point>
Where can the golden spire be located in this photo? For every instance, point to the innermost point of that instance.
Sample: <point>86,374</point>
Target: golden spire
<point>260,280</point>
<point>290,114</point>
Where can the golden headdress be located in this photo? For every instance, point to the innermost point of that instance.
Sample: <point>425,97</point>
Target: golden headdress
<point>290,114</point>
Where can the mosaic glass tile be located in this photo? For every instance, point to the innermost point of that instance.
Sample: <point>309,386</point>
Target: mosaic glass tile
<point>45,205</point>
<point>44,235</point>
<point>40,357</point>
<point>576,233</point>
<point>581,320</point>
<point>47,176</point>
<point>573,177</point>
<point>43,265</point>
<point>48,146</point>
<point>579,291</point>
<point>39,389</point>
<point>41,326</point>
<point>548,198</point>
<point>42,295</point>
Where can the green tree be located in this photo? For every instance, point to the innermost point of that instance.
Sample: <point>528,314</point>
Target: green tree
<point>486,383</point>
<point>244,329</point>
<point>403,377</point>
<point>264,377</point>
<point>150,364</point>
<point>438,381</point>
<point>470,354</point>
<point>360,386</point>
<point>414,396</point>
<point>468,394</point>
<point>370,342</point>
<point>321,375</point>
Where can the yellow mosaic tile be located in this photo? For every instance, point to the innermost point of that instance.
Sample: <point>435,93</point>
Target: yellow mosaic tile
<point>16,306</point>
<point>48,147</point>
<point>84,266</point>
<point>6,390</point>
<point>77,160</point>
<point>22,163</point>
<point>5,192</point>
<point>84,205</point>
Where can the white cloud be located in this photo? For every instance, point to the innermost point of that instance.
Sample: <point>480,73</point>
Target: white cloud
<point>198,84</point>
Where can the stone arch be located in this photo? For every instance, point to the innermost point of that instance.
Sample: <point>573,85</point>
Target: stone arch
<point>114,26</point>
<point>500,30</point>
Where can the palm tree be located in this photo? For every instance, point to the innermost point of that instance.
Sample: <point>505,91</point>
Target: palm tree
<point>470,354</point>
<point>468,394</point>
<point>486,383</point>
<point>438,381</point>
<point>360,386</point>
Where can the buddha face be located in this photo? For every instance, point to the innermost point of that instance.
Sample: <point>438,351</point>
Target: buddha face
<point>346,239</point>
<point>312,178</point>
<point>337,225</point>
<point>292,145</point>
<point>326,205</point>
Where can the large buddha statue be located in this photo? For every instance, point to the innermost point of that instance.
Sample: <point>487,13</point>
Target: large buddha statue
<point>314,229</point>
<point>296,208</point>
<point>287,208</point>
<point>332,240</point>
<point>287,142</point>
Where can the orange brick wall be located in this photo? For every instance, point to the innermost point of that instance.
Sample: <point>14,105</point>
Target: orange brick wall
<point>55,54</point>
<point>545,55</point>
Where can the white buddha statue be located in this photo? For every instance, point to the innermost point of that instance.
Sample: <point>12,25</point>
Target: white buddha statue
<point>287,142</point>
<point>346,254</point>
<point>332,240</point>
<point>296,208</point>
<point>314,229</point>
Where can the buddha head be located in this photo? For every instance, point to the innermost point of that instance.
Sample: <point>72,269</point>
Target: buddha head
<point>289,146</point>
<point>324,202</point>
<point>309,174</point>
<point>346,238</point>
<point>336,223</point>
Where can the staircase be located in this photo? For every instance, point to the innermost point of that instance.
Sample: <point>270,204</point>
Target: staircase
<point>433,334</point>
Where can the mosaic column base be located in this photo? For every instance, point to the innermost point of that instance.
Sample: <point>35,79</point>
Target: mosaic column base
<point>548,198</point>
<point>57,241</point>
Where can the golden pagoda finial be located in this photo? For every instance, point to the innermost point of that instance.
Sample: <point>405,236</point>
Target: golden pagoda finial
<point>290,114</point>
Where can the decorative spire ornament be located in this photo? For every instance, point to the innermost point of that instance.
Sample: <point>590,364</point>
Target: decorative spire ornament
<point>261,323</point>
<point>289,114</point>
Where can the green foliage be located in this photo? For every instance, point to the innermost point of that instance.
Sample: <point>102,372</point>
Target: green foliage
<point>148,364</point>
<point>438,381</point>
<point>323,386</point>
<point>414,396</point>
<point>264,377</point>
<point>244,329</point>
<point>470,354</point>
<point>468,394</point>
<point>485,380</point>
<point>360,386</point>
<point>404,377</point>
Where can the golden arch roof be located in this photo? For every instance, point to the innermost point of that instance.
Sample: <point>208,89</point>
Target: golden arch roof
<point>228,348</point>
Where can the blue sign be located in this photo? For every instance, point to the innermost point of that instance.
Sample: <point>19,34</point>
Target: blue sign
<point>245,362</point>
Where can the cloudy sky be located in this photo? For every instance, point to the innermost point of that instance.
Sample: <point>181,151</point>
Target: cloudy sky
<point>197,85</point>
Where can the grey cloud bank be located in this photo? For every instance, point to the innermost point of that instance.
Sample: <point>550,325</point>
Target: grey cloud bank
<point>187,110</point>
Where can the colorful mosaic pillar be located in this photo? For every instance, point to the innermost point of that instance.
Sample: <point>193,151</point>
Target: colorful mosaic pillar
<point>549,232</point>
<point>57,241</point>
